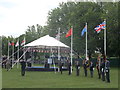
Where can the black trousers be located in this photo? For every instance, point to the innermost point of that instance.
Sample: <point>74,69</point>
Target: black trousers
<point>69,70</point>
<point>91,73</point>
<point>23,72</point>
<point>61,70</point>
<point>103,75</point>
<point>85,71</point>
<point>99,73</point>
<point>77,71</point>
<point>108,75</point>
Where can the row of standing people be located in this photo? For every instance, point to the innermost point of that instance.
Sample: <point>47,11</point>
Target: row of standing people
<point>102,66</point>
<point>7,64</point>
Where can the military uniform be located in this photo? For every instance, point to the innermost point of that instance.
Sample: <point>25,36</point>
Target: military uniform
<point>85,65</point>
<point>77,68</point>
<point>61,64</point>
<point>107,70</point>
<point>69,68</point>
<point>91,69</point>
<point>103,70</point>
<point>98,66</point>
<point>11,64</point>
<point>23,66</point>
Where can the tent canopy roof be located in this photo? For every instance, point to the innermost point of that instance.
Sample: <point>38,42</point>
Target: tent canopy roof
<point>46,41</point>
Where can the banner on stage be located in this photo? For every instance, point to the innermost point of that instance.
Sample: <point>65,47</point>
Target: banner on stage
<point>49,60</point>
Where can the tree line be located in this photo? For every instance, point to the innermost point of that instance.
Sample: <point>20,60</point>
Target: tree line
<point>76,14</point>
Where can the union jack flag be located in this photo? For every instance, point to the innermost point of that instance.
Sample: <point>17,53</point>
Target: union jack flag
<point>100,27</point>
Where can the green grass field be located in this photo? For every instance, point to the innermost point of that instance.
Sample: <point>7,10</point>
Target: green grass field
<point>13,79</point>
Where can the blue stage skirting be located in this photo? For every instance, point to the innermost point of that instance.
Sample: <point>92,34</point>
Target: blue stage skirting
<point>41,68</point>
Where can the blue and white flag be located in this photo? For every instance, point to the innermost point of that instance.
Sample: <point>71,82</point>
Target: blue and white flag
<point>84,30</point>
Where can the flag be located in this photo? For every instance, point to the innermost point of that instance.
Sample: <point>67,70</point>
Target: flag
<point>23,42</point>
<point>84,30</point>
<point>12,44</point>
<point>17,44</point>
<point>103,25</point>
<point>100,27</point>
<point>9,43</point>
<point>69,33</point>
<point>57,36</point>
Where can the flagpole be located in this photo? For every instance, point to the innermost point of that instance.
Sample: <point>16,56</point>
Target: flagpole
<point>105,43</point>
<point>105,38</point>
<point>71,47</point>
<point>59,48</point>
<point>24,47</point>
<point>12,52</point>
<point>8,49</point>
<point>18,53</point>
<point>86,41</point>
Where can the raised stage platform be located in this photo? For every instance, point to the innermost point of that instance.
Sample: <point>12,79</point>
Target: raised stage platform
<point>42,68</point>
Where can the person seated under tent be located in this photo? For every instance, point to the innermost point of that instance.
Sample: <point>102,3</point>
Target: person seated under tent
<point>46,64</point>
<point>61,65</point>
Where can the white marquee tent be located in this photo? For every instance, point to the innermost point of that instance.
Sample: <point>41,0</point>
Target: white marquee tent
<point>47,41</point>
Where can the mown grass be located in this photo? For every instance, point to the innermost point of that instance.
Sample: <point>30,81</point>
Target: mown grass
<point>13,79</point>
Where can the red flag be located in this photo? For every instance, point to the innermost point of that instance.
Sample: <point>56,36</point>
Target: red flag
<point>23,42</point>
<point>69,33</point>
<point>12,43</point>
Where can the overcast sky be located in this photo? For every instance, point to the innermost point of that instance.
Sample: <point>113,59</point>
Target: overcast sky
<point>16,15</point>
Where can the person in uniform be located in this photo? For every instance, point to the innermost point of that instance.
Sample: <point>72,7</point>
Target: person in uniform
<point>61,65</point>
<point>11,64</point>
<point>91,69</point>
<point>69,67</point>
<point>85,65</point>
<point>103,70</point>
<point>107,70</point>
<point>98,67</point>
<point>77,68</point>
<point>23,66</point>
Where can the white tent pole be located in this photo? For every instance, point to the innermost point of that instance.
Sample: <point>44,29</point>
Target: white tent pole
<point>59,48</point>
<point>33,57</point>
<point>53,60</point>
